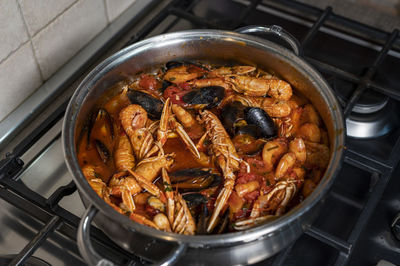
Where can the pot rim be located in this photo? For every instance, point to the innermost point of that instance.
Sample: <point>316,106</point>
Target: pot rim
<point>249,235</point>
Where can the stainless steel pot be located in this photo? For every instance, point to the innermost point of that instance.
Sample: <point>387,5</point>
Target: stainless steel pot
<point>245,247</point>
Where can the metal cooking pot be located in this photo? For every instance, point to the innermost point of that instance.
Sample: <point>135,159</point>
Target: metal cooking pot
<point>244,247</point>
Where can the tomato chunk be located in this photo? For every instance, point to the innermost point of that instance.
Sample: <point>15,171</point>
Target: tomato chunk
<point>148,82</point>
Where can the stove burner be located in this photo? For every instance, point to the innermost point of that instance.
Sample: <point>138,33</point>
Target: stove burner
<point>373,116</point>
<point>372,120</point>
<point>31,261</point>
<point>370,102</point>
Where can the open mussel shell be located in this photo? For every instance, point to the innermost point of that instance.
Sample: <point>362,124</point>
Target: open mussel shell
<point>196,178</point>
<point>194,199</point>
<point>232,115</point>
<point>102,150</point>
<point>204,98</point>
<point>250,130</point>
<point>152,105</point>
<point>257,116</point>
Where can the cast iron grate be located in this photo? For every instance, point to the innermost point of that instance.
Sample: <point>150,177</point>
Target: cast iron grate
<point>310,22</point>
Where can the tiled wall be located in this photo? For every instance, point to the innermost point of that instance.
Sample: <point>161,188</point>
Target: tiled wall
<point>38,36</point>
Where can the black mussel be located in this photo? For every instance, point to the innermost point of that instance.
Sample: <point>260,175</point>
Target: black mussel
<point>197,178</point>
<point>173,64</point>
<point>100,131</point>
<point>89,126</point>
<point>257,116</point>
<point>152,105</point>
<point>232,116</point>
<point>103,151</point>
<point>250,130</point>
<point>202,220</point>
<point>194,199</point>
<point>185,174</point>
<point>104,117</point>
<point>204,98</point>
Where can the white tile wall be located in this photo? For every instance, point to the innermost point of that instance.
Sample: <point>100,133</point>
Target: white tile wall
<point>12,29</point>
<point>38,13</point>
<point>58,42</point>
<point>38,36</point>
<point>19,77</point>
<point>116,7</point>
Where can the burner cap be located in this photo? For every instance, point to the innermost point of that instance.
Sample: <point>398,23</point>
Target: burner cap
<point>374,124</point>
<point>370,102</point>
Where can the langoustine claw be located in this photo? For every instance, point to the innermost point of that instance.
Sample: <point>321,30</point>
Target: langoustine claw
<point>184,222</point>
<point>276,200</point>
<point>168,121</point>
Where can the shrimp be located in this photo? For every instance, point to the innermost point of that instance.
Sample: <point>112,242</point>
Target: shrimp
<point>183,73</point>
<point>123,154</point>
<point>272,152</point>
<point>207,82</point>
<point>125,187</point>
<point>236,70</point>
<point>150,168</point>
<point>278,89</point>
<point>133,119</point>
<point>276,108</point>
<point>310,132</point>
<point>286,162</point>
<point>298,147</point>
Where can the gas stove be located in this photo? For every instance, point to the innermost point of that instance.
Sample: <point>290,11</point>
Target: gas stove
<point>359,222</point>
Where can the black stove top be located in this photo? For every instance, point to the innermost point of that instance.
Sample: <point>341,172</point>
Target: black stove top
<point>355,225</point>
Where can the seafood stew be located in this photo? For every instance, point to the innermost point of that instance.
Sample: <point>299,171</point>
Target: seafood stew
<point>194,148</point>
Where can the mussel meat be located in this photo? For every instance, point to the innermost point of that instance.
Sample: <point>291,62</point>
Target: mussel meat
<point>247,140</point>
<point>152,105</point>
<point>204,98</point>
<point>257,116</point>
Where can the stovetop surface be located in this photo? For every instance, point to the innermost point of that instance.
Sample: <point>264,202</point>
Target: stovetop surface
<point>353,226</point>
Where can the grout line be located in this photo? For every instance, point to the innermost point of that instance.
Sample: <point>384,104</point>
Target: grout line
<point>21,44</point>
<point>37,61</point>
<point>106,11</point>
<point>55,18</point>
<point>13,52</point>
<point>30,41</point>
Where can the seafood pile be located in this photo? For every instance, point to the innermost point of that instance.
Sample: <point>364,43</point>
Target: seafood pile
<point>195,148</point>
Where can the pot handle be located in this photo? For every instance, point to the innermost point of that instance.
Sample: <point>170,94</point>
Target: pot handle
<point>93,258</point>
<point>277,31</point>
